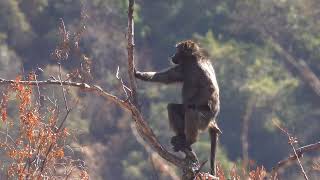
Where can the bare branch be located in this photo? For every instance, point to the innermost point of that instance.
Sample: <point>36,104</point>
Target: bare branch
<point>291,140</point>
<point>299,153</point>
<point>142,127</point>
<point>93,88</point>
<point>38,89</point>
<point>124,87</point>
<point>62,88</point>
<point>157,162</point>
<point>130,48</point>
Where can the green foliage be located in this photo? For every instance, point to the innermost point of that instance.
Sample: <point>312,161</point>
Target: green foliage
<point>268,79</point>
<point>10,63</point>
<point>134,165</point>
<point>14,23</point>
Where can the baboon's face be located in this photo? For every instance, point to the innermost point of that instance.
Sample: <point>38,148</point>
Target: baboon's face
<point>178,57</point>
<point>184,50</point>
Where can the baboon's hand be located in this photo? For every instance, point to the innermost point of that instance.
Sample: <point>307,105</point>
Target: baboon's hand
<point>134,70</point>
<point>137,73</point>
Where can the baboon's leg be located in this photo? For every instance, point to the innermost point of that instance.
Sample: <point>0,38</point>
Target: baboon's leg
<point>176,118</point>
<point>191,126</point>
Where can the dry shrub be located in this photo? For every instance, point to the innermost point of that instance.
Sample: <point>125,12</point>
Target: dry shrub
<point>34,145</point>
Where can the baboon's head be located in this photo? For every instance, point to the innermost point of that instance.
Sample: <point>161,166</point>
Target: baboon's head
<point>185,50</point>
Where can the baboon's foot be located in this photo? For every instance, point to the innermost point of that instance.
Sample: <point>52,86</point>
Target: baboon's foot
<point>179,143</point>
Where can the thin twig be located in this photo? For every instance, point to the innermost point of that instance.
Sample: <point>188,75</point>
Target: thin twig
<point>93,88</point>
<point>8,136</point>
<point>297,153</point>
<point>124,87</point>
<point>64,119</point>
<point>57,131</point>
<point>38,89</point>
<point>63,89</point>
<point>299,162</point>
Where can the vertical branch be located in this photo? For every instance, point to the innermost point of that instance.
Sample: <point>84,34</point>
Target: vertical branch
<point>130,47</point>
<point>142,128</point>
<point>245,130</point>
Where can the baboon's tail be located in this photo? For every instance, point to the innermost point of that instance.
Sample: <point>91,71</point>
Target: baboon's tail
<point>214,131</point>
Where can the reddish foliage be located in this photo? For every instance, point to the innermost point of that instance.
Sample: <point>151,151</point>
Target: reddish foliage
<point>258,174</point>
<point>234,173</point>
<point>36,145</point>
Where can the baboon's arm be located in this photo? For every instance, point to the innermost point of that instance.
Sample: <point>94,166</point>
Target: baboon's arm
<point>171,75</point>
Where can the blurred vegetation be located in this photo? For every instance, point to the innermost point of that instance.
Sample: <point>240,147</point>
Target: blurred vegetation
<point>239,36</point>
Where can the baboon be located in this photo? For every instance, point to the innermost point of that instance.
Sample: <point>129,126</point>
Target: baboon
<point>200,96</point>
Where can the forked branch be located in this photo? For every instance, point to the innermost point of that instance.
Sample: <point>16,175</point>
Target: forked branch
<point>299,153</point>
